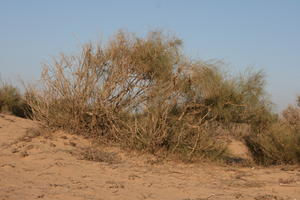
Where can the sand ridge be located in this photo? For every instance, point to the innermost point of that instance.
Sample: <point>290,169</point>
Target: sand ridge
<point>62,166</point>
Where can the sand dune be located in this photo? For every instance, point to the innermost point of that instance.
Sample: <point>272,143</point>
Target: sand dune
<point>63,166</point>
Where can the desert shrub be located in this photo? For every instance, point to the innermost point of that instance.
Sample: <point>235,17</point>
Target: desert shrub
<point>103,85</point>
<point>291,117</point>
<point>279,143</point>
<point>208,92</point>
<point>144,93</point>
<point>11,100</point>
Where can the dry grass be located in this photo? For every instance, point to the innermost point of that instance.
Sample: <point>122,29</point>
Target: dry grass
<point>94,153</point>
<point>268,197</point>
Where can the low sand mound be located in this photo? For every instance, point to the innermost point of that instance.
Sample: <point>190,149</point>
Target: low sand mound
<point>239,150</point>
<point>12,128</point>
<point>37,165</point>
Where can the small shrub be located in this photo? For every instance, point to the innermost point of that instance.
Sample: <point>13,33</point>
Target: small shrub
<point>279,144</point>
<point>291,117</point>
<point>95,154</point>
<point>11,101</point>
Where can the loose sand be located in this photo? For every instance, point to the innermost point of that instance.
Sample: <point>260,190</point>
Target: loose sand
<point>51,167</point>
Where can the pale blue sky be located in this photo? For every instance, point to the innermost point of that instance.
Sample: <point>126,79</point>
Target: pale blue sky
<point>264,34</point>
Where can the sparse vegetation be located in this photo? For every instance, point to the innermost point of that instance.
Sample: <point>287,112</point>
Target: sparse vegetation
<point>280,143</point>
<point>93,153</point>
<point>144,93</point>
<point>11,100</point>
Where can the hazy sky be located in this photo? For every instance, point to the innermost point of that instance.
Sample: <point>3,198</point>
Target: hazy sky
<point>264,34</point>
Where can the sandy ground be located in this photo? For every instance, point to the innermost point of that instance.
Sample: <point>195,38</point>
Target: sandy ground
<point>54,166</point>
